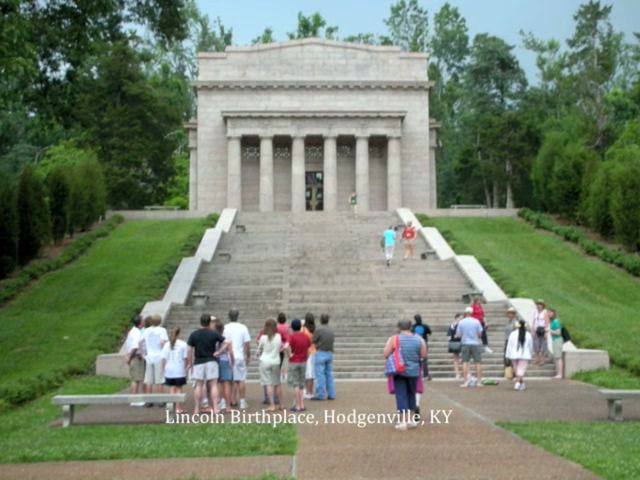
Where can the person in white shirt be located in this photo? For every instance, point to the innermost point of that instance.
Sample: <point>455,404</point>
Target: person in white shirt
<point>269,354</point>
<point>174,364</point>
<point>153,339</point>
<point>238,335</point>
<point>519,351</point>
<point>134,358</point>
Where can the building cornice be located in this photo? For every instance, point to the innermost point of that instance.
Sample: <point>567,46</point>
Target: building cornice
<point>399,114</point>
<point>310,85</point>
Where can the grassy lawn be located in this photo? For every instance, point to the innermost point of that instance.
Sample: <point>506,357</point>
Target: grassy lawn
<point>27,434</point>
<point>610,450</point>
<point>57,326</point>
<point>598,303</point>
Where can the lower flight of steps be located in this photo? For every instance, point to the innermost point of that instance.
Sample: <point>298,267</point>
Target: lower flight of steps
<point>332,263</point>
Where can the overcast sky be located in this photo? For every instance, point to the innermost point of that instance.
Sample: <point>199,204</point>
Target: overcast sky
<point>503,18</point>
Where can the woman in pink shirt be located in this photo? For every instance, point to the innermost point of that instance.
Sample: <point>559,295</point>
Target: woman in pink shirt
<point>478,314</point>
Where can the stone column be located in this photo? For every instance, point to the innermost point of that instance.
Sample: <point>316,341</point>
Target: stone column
<point>234,173</point>
<point>266,174</point>
<point>362,173</point>
<point>298,203</point>
<point>193,178</point>
<point>330,173</point>
<point>394,174</point>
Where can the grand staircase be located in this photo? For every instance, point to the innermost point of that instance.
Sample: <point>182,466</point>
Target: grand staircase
<point>332,263</point>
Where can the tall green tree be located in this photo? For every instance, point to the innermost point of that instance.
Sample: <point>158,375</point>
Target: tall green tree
<point>59,189</point>
<point>408,25</point>
<point>8,229</point>
<point>313,25</point>
<point>33,215</point>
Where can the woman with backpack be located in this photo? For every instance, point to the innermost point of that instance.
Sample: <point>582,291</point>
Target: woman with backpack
<point>455,345</point>
<point>423,331</point>
<point>555,329</point>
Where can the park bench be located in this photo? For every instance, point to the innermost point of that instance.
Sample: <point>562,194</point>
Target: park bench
<point>68,402</point>
<point>469,296</point>
<point>464,207</point>
<point>614,401</point>
<point>153,208</point>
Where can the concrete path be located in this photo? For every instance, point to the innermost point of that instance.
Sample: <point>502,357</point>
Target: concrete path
<point>470,446</point>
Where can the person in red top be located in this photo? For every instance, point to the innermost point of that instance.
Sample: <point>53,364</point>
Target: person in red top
<point>409,235</point>
<point>299,344</point>
<point>478,314</point>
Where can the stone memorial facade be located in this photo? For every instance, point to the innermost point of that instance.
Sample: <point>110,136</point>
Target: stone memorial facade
<point>300,125</point>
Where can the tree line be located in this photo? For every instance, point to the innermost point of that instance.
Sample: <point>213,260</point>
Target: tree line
<point>80,75</point>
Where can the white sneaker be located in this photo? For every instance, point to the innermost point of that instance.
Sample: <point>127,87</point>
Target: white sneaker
<point>401,427</point>
<point>205,403</point>
<point>222,404</point>
<point>522,387</point>
<point>307,396</point>
<point>487,349</point>
<point>243,404</point>
<point>412,424</point>
<point>516,386</point>
<point>136,404</point>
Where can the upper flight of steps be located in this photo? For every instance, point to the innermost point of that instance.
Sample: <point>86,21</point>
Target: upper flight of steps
<point>332,263</point>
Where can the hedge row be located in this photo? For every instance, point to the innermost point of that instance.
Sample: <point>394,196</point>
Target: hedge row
<point>110,335</point>
<point>628,262</point>
<point>9,288</point>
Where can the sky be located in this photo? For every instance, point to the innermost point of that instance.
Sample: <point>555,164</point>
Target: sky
<point>503,18</point>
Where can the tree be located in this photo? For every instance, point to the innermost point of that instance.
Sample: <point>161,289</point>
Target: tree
<point>33,215</point>
<point>625,201</point>
<point>408,25</point>
<point>59,187</point>
<point>450,41</point>
<point>265,37</point>
<point>566,178</point>
<point>121,105</point>
<point>8,229</point>
<point>313,26</point>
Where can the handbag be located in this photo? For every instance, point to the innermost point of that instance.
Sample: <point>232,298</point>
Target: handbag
<point>395,364</point>
<point>455,346</point>
<point>540,331</point>
<point>508,372</point>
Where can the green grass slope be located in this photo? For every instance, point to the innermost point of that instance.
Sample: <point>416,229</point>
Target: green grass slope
<point>597,302</point>
<point>56,327</point>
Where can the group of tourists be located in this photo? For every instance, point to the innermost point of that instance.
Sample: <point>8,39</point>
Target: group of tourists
<point>215,359</point>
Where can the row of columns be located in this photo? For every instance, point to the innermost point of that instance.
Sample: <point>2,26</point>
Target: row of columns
<point>298,204</point>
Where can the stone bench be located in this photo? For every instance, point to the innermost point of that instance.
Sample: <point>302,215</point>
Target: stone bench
<point>465,207</point>
<point>68,402</point>
<point>614,401</point>
<point>161,208</point>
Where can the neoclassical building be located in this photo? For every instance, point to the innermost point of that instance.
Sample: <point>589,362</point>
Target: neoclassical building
<point>300,125</point>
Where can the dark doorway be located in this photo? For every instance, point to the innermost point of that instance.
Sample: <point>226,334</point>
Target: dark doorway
<point>314,192</point>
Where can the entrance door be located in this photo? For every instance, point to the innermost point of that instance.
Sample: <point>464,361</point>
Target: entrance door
<point>314,192</point>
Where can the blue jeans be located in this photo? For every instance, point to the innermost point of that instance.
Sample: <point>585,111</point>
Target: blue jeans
<point>405,392</point>
<point>324,375</point>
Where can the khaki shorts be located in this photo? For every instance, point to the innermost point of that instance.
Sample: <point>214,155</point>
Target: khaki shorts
<point>153,374</point>
<point>136,369</point>
<point>296,375</point>
<point>239,371</point>
<point>204,372</point>
<point>269,374</point>
<point>468,352</point>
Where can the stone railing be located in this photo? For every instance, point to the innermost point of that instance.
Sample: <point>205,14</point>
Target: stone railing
<point>177,292</point>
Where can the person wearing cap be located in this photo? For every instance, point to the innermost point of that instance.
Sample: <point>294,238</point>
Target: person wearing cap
<point>519,352</point>
<point>512,324</point>
<point>469,331</point>
<point>134,358</point>
<point>539,331</point>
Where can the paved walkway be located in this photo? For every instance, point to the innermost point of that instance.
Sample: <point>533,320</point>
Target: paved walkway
<point>470,446</point>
